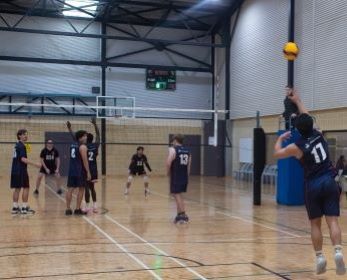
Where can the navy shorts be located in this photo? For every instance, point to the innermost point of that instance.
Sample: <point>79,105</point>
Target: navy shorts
<point>76,181</point>
<point>51,170</point>
<point>137,172</point>
<point>178,188</point>
<point>322,197</point>
<point>20,181</point>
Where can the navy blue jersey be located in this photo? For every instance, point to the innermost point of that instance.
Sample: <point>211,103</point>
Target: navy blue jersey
<point>93,152</point>
<point>76,165</point>
<point>138,163</point>
<point>19,167</point>
<point>179,166</point>
<point>315,161</point>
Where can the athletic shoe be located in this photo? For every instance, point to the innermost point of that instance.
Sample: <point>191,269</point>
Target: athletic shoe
<point>36,192</point>
<point>126,191</point>
<point>95,210</point>
<point>185,218</point>
<point>321,265</point>
<point>177,219</point>
<point>147,191</point>
<point>15,210</point>
<point>30,211</point>
<point>86,209</point>
<point>79,212</point>
<point>181,218</point>
<point>340,264</point>
<point>27,210</point>
<point>68,212</point>
<point>60,191</point>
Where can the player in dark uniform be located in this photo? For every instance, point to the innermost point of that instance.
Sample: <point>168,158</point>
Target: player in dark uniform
<point>137,167</point>
<point>178,169</point>
<point>50,166</point>
<point>19,174</point>
<point>93,152</point>
<point>79,172</point>
<point>322,193</point>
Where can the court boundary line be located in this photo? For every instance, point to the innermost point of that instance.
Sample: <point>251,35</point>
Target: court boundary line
<point>233,216</point>
<point>154,247</point>
<point>271,271</point>
<point>145,242</point>
<point>138,261</point>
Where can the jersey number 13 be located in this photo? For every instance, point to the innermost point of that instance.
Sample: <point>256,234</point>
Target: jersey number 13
<point>184,159</point>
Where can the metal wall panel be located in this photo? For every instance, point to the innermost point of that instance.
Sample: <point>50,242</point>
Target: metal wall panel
<point>193,91</point>
<point>25,77</point>
<point>258,70</point>
<point>330,58</point>
<point>50,46</point>
<point>116,47</point>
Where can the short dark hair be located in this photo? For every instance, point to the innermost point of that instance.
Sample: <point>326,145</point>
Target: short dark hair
<point>304,124</point>
<point>21,132</point>
<point>140,148</point>
<point>90,138</point>
<point>179,138</point>
<point>79,134</point>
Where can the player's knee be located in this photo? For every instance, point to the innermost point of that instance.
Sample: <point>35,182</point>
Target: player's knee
<point>130,179</point>
<point>145,179</point>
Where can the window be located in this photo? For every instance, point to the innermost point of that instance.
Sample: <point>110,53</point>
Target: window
<point>87,5</point>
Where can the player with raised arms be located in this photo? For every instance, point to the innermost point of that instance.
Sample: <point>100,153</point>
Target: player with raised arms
<point>322,193</point>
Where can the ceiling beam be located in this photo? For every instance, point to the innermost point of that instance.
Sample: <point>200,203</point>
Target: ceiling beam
<point>110,37</point>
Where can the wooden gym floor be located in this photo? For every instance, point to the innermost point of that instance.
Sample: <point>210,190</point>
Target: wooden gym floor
<point>135,238</point>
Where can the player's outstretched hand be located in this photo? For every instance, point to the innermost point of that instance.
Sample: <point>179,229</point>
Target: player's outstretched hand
<point>68,124</point>
<point>293,96</point>
<point>286,135</point>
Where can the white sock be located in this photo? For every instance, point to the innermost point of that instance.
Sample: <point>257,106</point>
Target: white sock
<point>338,249</point>
<point>319,253</point>
<point>15,204</point>
<point>95,205</point>
<point>24,205</point>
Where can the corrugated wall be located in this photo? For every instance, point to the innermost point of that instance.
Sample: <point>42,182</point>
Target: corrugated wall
<point>194,90</point>
<point>258,70</point>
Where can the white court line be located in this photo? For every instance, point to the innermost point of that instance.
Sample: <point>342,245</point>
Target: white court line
<point>235,217</point>
<point>155,248</point>
<point>156,276</point>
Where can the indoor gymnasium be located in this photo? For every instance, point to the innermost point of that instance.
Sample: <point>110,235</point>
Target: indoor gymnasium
<point>173,139</point>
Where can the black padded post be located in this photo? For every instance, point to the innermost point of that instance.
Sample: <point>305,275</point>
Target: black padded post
<point>259,160</point>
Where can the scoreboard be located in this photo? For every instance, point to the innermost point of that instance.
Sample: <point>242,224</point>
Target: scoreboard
<point>160,79</point>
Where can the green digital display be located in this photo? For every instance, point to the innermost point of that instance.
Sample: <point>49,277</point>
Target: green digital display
<point>160,79</point>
